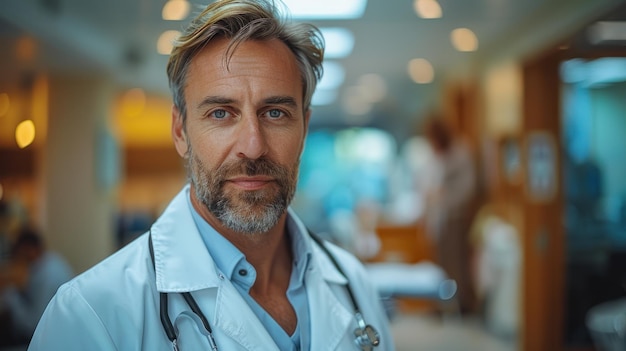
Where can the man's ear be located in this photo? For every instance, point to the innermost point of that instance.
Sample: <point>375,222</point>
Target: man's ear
<point>307,117</point>
<point>178,132</point>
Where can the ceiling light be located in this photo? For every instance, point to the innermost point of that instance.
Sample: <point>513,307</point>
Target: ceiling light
<point>421,71</point>
<point>464,40</point>
<point>333,77</point>
<point>326,9</point>
<point>607,31</point>
<point>427,8</point>
<point>339,42</point>
<point>175,10</point>
<point>166,41</point>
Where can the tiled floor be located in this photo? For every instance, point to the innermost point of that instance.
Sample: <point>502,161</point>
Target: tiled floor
<point>423,332</point>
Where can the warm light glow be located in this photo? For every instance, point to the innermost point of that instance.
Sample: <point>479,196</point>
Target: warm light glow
<point>133,102</point>
<point>25,133</point>
<point>427,8</point>
<point>166,41</point>
<point>5,104</point>
<point>421,71</point>
<point>176,10</point>
<point>464,40</point>
<point>1,191</point>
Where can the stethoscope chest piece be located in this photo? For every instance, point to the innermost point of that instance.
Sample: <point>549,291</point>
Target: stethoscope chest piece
<point>366,336</point>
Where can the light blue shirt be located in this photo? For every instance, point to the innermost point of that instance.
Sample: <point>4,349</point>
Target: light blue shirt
<point>233,264</point>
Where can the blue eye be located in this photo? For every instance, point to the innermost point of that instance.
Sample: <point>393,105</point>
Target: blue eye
<point>219,114</point>
<point>275,113</point>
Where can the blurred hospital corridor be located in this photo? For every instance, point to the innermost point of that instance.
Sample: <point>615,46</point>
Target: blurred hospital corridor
<point>473,159</point>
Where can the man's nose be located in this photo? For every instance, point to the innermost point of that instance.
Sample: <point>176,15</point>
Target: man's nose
<point>252,139</point>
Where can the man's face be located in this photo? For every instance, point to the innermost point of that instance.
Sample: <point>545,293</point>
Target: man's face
<point>244,135</point>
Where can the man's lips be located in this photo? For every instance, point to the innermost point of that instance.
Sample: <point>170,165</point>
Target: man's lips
<point>251,183</point>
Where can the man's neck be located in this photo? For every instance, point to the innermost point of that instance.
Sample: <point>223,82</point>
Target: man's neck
<point>269,253</point>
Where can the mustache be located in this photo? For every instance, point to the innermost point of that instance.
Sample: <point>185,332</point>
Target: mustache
<point>250,167</point>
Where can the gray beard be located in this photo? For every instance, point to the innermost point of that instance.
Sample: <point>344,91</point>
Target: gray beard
<point>250,212</point>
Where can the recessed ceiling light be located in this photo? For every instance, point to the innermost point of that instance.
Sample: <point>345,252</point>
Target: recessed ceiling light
<point>175,10</point>
<point>326,9</point>
<point>421,71</point>
<point>166,41</point>
<point>607,31</point>
<point>427,8</point>
<point>464,40</point>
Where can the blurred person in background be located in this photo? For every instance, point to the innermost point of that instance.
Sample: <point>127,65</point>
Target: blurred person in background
<point>450,200</point>
<point>27,283</point>
<point>227,265</point>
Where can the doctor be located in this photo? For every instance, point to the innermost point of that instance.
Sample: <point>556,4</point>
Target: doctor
<point>228,266</point>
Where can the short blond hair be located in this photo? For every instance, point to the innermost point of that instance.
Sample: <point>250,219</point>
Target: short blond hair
<point>241,20</point>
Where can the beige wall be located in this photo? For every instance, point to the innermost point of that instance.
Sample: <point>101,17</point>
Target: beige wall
<point>77,209</point>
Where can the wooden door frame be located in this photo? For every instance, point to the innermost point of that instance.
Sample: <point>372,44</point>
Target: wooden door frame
<point>543,233</point>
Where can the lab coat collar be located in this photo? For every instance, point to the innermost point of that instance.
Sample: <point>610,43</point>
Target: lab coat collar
<point>320,260</point>
<point>182,262</point>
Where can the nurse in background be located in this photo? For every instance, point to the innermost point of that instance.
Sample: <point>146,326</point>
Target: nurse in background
<point>451,192</point>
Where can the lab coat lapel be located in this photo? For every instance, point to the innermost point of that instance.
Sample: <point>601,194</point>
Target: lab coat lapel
<point>330,319</point>
<point>237,320</point>
<point>182,262</point>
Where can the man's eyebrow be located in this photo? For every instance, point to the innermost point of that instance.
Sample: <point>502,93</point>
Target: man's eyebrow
<point>214,100</point>
<point>273,100</point>
<point>282,100</point>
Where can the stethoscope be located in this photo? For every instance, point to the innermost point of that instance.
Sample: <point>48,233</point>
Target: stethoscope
<point>366,336</point>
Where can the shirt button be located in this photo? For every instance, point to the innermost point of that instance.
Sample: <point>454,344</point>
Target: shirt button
<point>243,272</point>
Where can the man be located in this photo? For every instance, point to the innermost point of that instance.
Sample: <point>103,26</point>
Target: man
<point>227,265</point>
<point>27,283</point>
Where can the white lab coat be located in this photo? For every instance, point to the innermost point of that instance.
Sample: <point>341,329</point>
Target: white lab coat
<point>115,304</point>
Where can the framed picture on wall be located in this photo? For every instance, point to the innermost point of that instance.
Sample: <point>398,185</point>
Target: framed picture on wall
<point>542,163</point>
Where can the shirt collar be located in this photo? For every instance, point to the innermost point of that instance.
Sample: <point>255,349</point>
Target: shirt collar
<point>227,256</point>
<point>300,246</point>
